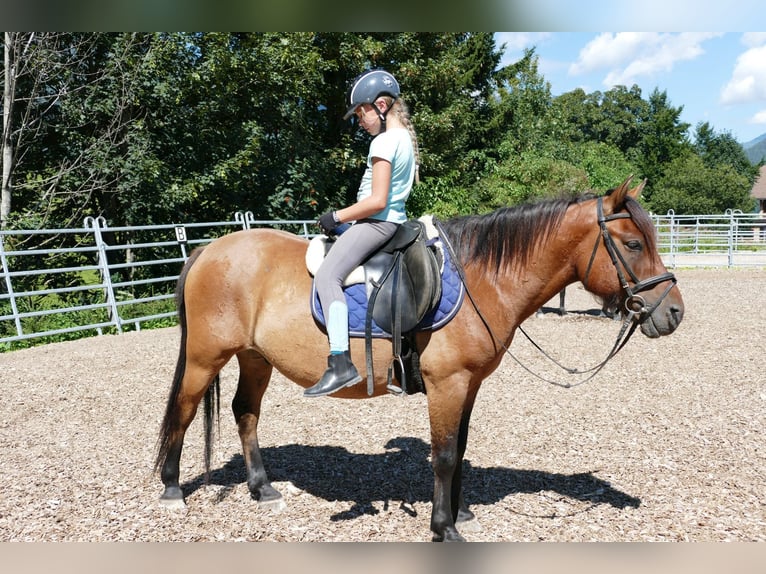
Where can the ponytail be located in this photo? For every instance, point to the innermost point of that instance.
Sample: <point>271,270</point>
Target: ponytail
<point>399,108</point>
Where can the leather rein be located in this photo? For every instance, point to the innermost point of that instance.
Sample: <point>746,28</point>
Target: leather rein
<point>636,309</point>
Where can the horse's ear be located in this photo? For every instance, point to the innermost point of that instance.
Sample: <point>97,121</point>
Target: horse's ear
<point>635,193</point>
<point>616,198</point>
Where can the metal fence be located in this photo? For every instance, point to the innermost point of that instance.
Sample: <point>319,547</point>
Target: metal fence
<point>732,239</point>
<point>70,283</point>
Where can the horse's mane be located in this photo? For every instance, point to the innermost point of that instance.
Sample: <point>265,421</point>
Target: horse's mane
<point>506,234</point>
<point>514,233</point>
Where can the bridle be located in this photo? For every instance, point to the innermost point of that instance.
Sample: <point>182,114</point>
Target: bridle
<point>634,303</point>
<point>636,310</point>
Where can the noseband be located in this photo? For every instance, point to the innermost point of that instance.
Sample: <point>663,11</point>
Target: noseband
<point>635,304</point>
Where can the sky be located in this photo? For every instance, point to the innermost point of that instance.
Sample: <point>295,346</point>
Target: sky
<point>719,78</point>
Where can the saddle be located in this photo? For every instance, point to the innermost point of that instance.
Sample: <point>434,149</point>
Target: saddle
<point>403,284</point>
<point>405,279</point>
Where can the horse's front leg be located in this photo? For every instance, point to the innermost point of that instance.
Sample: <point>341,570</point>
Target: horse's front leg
<point>449,414</point>
<point>464,516</point>
<point>444,461</point>
<point>254,375</point>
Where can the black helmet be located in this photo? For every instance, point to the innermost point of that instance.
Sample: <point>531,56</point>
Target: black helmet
<point>368,86</point>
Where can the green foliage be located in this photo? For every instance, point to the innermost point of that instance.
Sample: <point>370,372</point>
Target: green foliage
<point>606,166</point>
<point>721,149</point>
<point>526,177</point>
<point>663,140</point>
<point>691,187</point>
<point>148,128</point>
<point>614,117</point>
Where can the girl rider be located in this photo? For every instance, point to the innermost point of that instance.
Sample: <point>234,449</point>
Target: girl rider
<point>374,98</point>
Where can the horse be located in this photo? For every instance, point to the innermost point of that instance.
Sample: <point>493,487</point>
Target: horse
<point>246,295</point>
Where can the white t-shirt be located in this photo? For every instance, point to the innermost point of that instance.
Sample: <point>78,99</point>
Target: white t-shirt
<point>395,146</point>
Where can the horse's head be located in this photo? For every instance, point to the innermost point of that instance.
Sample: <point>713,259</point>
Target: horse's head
<point>624,267</point>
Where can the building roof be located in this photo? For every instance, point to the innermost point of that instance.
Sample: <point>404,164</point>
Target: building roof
<point>759,188</point>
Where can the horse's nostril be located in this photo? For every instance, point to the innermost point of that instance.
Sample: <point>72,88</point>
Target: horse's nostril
<point>677,313</point>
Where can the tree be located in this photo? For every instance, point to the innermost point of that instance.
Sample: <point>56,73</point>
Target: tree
<point>69,126</point>
<point>237,121</point>
<point>521,107</point>
<point>721,149</point>
<point>691,187</point>
<point>145,128</point>
<point>512,165</point>
<point>614,117</point>
<point>156,127</point>
<point>663,139</point>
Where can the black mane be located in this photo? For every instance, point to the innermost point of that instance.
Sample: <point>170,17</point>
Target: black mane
<point>514,233</point>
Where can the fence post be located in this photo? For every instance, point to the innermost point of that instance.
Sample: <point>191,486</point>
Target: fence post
<point>182,240</point>
<point>732,235</point>
<point>11,296</point>
<point>103,262</point>
<point>671,231</point>
<point>249,219</point>
<point>244,219</point>
<point>696,236</point>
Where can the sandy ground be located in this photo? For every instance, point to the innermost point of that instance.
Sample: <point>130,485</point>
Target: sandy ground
<point>665,444</point>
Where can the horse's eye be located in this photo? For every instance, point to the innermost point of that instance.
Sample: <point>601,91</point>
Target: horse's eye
<point>633,245</point>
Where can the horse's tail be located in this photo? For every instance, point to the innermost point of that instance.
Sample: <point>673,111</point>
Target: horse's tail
<point>211,396</point>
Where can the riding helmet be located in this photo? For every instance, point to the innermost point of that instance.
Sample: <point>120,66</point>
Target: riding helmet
<point>368,86</point>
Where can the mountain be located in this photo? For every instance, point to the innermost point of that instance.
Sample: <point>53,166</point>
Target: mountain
<point>755,141</point>
<point>756,149</point>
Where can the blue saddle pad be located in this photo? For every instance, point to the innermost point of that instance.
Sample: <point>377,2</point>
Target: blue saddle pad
<point>453,292</point>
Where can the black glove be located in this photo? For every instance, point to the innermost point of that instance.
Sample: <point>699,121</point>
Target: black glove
<point>328,223</point>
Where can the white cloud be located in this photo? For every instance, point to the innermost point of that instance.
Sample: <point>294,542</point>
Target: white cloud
<point>517,41</point>
<point>754,39</point>
<point>608,50</point>
<point>748,81</point>
<point>759,118</point>
<point>626,56</point>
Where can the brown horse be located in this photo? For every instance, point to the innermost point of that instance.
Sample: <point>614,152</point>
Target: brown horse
<point>247,295</point>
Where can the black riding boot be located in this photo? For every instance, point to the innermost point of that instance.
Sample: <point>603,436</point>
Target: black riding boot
<point>340,373</point>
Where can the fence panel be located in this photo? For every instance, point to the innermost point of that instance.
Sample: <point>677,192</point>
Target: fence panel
<point>732,239</point>
<point>99,279</point>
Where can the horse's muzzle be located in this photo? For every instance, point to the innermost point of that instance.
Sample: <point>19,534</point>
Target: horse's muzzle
<point>663,320</point>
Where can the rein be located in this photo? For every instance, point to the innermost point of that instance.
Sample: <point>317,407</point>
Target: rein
<point>635,305</point>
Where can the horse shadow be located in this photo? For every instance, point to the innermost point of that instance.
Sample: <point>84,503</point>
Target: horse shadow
<point>402,474</point>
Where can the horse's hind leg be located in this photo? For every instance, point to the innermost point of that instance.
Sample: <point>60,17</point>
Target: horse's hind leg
<point>181,409</point>
<point>254,375</point>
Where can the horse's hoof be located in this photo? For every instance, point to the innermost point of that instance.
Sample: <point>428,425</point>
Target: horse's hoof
<point>269,498</point>
<point>449,535</point>
<point>173,498</point>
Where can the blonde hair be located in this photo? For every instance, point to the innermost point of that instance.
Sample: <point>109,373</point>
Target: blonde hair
<point>401,112</point>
